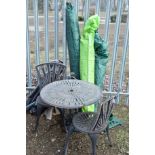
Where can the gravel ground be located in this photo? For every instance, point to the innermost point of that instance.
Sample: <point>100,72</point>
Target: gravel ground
<point>50,137</point>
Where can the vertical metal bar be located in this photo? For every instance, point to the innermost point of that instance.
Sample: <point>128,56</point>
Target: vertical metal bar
<point>124,56</point>
<point>28,62</point>
<point>106,31</point>
<point>98,7</point>
<point>56,28</point>
<point>76,7</point>
<point>64,33</point>
<point>88,7</point>
<point>46,30</point>
<point>36,20</point>
<point>112,5</point>
<point>127,5</point>
<point>127,98</point>
<point>72,1</point>
<point>118,20</point>
<point>85,10</point>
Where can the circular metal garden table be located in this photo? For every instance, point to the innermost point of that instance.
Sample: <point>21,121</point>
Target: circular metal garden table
<point>70,94</point>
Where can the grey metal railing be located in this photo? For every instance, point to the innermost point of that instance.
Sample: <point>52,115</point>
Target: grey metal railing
<point>59,29</point>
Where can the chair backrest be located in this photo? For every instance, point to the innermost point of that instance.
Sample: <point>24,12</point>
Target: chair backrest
<point>104,112</point>
<point>50,72</point>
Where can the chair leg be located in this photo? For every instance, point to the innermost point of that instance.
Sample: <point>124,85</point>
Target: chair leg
<point>62,113</point>
<point>93,138</point>
<point>107,132</point>
<point>68,135</point>
<point>40,110</point>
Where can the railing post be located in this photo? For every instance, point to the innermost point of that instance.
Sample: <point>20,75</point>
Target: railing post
<point>64,34</point>
<point>28,62</point>
<point>46,30</point>
<point>36,21</point>
<point>98,7</point>
<point>56,28</point>
<point>117,27</point>
<point>106,31</point>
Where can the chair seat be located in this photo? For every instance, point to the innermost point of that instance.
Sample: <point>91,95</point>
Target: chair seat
<point>85,121</point>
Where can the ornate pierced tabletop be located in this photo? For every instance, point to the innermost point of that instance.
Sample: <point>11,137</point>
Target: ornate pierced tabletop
<point>70,94</point>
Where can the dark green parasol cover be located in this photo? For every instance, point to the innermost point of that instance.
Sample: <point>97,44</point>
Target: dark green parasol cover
<point>73,39</point>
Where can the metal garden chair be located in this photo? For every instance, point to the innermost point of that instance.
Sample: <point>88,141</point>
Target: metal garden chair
<point>92,123</point>
<point>47,73</point>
